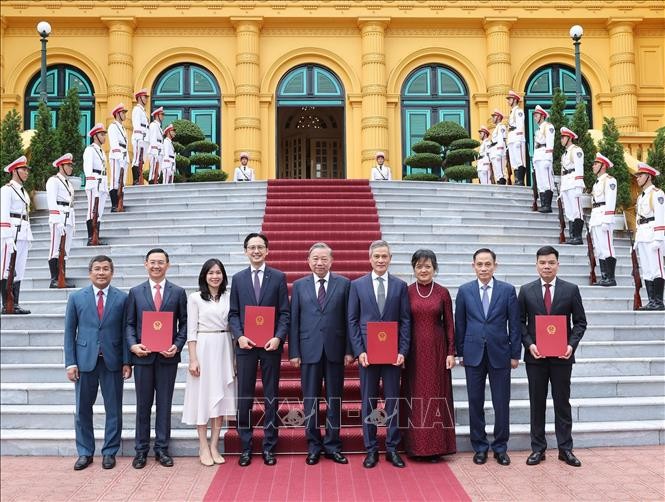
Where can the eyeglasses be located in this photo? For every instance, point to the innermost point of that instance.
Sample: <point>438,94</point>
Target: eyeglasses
<point>256,248</point>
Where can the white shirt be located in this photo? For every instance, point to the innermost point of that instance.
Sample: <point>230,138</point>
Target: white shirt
<point>381,173</point>
<point>154,290</point>
<point>317,284</point>
<point>552,287</point>
<point>261,270</point>
<point>489,289</point>
<point>375,284</point>
<point>96,290</point>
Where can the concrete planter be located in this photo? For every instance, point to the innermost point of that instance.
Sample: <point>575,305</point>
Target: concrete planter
<point>76,182</point>
<point>586,200</point>
<point>40,201</point>
<point>619,222</point>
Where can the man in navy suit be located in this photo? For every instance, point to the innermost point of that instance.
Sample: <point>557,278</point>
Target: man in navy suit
<point>318,344</point>
<point>488,342</point>
<point>264,286</point>
<point>379,297</point>
<point>96,356</point>
<point>550,295</point>
<point>155,373</point>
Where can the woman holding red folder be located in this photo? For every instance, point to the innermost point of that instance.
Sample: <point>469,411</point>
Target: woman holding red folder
<point>210,392</point>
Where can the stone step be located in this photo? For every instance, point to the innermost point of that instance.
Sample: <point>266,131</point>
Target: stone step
<point>141,220</point>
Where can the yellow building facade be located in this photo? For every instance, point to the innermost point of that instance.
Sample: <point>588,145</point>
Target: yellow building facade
<point>315,88</point>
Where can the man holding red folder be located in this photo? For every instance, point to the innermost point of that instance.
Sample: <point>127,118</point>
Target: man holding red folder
<point>154,369</point>
<point>550,297</point>
<point>379,297</point>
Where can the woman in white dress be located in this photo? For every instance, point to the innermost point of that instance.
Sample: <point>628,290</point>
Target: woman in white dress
<point>210,391</point>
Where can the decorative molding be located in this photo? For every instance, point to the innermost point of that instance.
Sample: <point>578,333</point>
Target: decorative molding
<point>555,32</point>
<point>181,32</point>
<point>61,32</point>
<point>309,32</point>
<point>435,32</point>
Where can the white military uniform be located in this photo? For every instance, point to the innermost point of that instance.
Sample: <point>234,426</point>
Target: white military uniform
<point>155,139</point>
<point>483,163</point>
<point>15,226</point>
<point>243,173</point>
<point>168,161</point>
<point>117,153</point>
<point>497,151</point>
<point>60,195</point>
<point>94,167</point>
<point>381,173</point>
<point>601,224</point>
<point>650,234</point>
<point>516,138</point>
<point>140,123</point>
<point>572,181</point>
<point>542,156</point>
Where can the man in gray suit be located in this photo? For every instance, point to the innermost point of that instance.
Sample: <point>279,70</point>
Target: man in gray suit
<point>319,345</point>
<point>96,356</point>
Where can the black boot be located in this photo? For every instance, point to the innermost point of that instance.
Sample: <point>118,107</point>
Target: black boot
<point>570,233</point>
<point>541,199</point>
<point>578,225</point>
<point>603,273</point>
<point>648,285</point>
<point>53,268</point>
<point>656,303</point>
<point>17,291</point>
<point>502,181</point>
<point>3,291</point>
<point>547,202</point>
<point>136,180</point>
<point>88,225</point>
<point>610,265</point>
<point>114,200</point>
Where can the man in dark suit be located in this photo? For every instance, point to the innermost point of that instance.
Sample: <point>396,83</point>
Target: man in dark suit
<point>318,343</point>
<point>379,297</point>
<point>550,295</point>
<point>155,373</point>
<point>487,338</point>
<point>96,356</point>
<point>264,286</point>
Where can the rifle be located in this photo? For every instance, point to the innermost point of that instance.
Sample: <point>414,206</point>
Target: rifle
<point>637,279</point>
<point>11,271</point>
<point>121,191</point>
<point>155,175</point>
<point>562,221</point>
<point>509,172</point>
<point>139,177</point>
<point>534,190</point>
<point>590,254</point>
<point>61,261</point>
<point>95,223</point>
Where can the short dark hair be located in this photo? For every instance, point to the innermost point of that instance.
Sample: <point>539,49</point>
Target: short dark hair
<point>252,235</point>
<point>484,250</point>
<point>155,251</point>
<point>545,250</point>
<point>424,254</point>
<point>99,259</point>
<point>203,284</point>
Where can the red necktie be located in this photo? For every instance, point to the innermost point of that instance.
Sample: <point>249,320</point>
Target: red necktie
<point>100,304</point>
<point>548,298</point>
<point>158,297</point>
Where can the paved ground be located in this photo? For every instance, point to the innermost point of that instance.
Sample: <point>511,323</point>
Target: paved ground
<point>606,474</point>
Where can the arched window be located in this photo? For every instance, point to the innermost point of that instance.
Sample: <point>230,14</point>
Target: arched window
<point>189,91</point>
<point>431,94</point>
<point>59,79</point>
<point>310,85</point>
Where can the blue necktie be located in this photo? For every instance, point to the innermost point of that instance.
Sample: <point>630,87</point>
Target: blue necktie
<point>486,299</point>
<point>257,286</point>
<point>380,295</point>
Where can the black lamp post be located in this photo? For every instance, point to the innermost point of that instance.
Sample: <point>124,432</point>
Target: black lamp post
<point>576,33</point>
<point>44,30</point>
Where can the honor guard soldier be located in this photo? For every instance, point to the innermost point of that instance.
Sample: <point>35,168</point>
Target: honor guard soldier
<point>483,164</point>
<point>155,138</point>
<point>380,171</point>
<point>601,224</point>
<point>498,147</point>
<point>650,234</point>
<point>242,172</point>
<point>60,196</point>
<point>516,138</point>
<point>117,153</point>
<point>139,135</point>
<point>168,156</point>
<point>15,232</point>
<point>542,158</point>
<point>96,187</point>
<point>572,184</point>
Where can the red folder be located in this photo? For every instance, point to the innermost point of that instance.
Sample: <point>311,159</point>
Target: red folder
<point>382,342</point>
<point>157,330</point>
<point>552,335</point>
<point>259,324</point>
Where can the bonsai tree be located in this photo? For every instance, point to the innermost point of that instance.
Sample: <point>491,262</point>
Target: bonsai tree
<point>43,150</point>
<point>580,126</point>
<point>613,150</point>
<point>192,149</point>
<point>558,120</point>
<point>426,157</point>
<point>459,156</point>
<point>11,145</point>
<point>67,134</point>
<point>430,152</point>
<point>656,157</point>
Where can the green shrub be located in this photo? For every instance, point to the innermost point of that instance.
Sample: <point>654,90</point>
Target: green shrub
<point>457,157</point>
<point>67,133</point>
<point>464,143</point>
<point>202,147</point>
<point>204,159</point>
<point>43,151</point>
<point>613,150</point>
<point>187,132</point>
<point>580,126</point>
<point>423,160</point>
<point>178,147</point>
<point>427,147</point>
<point>445,133</point>
<point>656,157</point>
<point>558,120</point>
<point>208,175</point>
<point>182,165</point>
<point>460,173</point>
<point>11,145</point>
<point>422,177</point>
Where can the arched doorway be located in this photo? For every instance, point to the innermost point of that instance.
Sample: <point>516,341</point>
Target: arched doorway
<point>310,124</point>
<point>59,80</point>
<point>431,94</point>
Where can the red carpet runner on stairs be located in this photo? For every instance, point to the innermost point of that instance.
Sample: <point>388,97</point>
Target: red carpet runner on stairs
<point>298,213</point>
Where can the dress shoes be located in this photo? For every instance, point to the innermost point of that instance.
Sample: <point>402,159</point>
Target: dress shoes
<point>82,462</point>
<point>164,459</point>
<point>535,458</point>
<point>269,458</point>
<point>312,458</point>
<point>140,460</point>
<point>480,457</point>
<point>502,458</point>
<point>394,458</point>
<point>371,460</point>
<point>108,461</point>
<point>245,459</point>
<point>336,457</point>
<point>568,457</point>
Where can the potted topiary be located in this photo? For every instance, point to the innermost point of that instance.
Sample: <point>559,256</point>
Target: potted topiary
<point>193,151</point>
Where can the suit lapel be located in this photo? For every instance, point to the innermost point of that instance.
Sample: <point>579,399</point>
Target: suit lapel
<point>310,288</point>
<point>266,278</point>
<point>558,294</point>
<point>538,293</point>
<point>90,293</point>
<point>110,299</point>
<point>148,295</point>
<point>495,297</point>
<point>475,291</point>
<point>332,284</point>
<point>369,283</point>
<point>167,292</point>
<point>250,284</point>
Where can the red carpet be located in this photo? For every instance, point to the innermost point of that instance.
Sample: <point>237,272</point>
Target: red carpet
<point>299,213</point>
<point>291,479</point>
